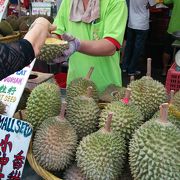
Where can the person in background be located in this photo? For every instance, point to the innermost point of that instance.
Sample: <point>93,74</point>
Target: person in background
<point>16,55</point>
<point>137,32</point>
<point>95,31</point>
<point>174,25</point>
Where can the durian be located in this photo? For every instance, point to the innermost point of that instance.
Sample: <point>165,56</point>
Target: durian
<point>2,108</point>
<point>111,93</point>
<point>79,86</point>
<point>173,112</point>
<point>52,49</point>
<point>126,116</point>
<point>83,113</point>
<point>23,99</point>
<point>5,28</point>
<point>13,21</point>
<point>147,93</point>
<point>55,143</point>
<point>174,107</point>
<point>43,102</point>
<point>154,151</point>
<point>73,173</point>
<point>101,155</point>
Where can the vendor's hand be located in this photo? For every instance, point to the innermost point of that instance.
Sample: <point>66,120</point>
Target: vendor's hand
<point>74,45</point>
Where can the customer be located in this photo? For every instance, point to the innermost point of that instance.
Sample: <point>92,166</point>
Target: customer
<point>137,32</point>
<point>16,55</point>
<point>98,29</point>
<point>174,25</point>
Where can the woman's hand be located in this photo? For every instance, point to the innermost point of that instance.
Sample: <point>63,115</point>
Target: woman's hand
<point>38,32</point>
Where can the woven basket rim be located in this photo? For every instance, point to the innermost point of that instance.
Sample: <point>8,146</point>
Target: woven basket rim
<point>37,168</point>
<point>16,35</point>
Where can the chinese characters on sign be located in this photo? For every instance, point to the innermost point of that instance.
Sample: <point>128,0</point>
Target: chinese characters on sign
<point>14,142</point>
<point>12,87</point>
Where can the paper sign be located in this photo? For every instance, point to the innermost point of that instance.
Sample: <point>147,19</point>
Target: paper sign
<point>12,87</point>
<point>43,8</point>
<point>3,5</point>
<point>15,137</point>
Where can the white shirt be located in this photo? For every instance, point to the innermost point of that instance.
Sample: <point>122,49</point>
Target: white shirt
<point>139,14</point>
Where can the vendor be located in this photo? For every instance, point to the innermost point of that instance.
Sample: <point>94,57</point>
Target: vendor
<point>95,29</point>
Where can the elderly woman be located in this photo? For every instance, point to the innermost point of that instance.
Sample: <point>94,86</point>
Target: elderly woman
<point>16,55</point>
<point>97,28</point>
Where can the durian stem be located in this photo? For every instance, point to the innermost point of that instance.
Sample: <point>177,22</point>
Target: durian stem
<point>126,98</point>
<point>128,93</point>
<point>149,60</point>
<point>89,91</point>
<point>63,109</point>
<point>107,126</point>
<point>89,73</point>
<point>171,96</point>
<point>164,112</point>
<point>132,78</point>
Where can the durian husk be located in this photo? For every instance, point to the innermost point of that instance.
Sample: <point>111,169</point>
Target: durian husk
<point>154,151</point>
<point>174,111</point>
<point>52,49</point>
<point>37,168</point>
<point>78,87</point>
<point>111,93</point>
<point>148,94</point>
<point>2,107</point>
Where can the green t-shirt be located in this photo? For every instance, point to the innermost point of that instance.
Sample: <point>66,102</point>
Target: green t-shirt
<point>112,22</point>
<point>174,24</point>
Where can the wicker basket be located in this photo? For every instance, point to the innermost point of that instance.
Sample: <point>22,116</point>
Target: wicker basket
<point>39,170</point>
<point>10,38</point>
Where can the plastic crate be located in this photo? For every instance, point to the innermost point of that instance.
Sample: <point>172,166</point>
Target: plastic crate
<point>173,79</point>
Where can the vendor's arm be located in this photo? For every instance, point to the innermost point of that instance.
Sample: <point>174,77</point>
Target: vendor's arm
<point>101,47</point>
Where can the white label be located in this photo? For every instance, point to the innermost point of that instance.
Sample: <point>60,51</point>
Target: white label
<point>15,137</point>
<point>12,87</point>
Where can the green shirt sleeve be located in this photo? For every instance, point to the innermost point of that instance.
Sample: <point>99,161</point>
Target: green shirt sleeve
<point>115,20</point>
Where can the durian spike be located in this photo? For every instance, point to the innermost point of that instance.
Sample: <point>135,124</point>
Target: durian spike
<point>63,109</point>
<point>89,73</point>
<point>149,60</point>
<point>107,126</point>
<point>126,98</point>
<point>164,112</point>
<point>171,96</point>
<point>89,91</point>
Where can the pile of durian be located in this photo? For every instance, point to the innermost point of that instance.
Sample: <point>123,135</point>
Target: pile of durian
<point>12,24</point>
<point>122,141</point>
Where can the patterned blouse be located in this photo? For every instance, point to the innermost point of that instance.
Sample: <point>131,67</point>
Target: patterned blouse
<point>15,56</point>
